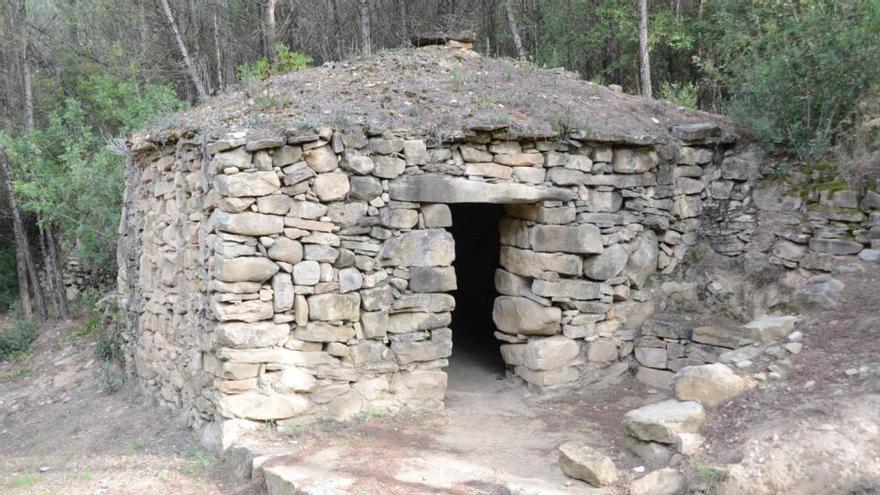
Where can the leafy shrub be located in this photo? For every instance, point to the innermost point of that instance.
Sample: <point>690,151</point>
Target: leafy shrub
<point>795,72</point>
<point>19,338</point>
<point>8,277</point>
<point>109,377</point>
<point>682,94</point>
<point>260,69</point>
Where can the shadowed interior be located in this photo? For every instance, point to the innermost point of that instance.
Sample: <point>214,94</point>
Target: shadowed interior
<point>475,354</point>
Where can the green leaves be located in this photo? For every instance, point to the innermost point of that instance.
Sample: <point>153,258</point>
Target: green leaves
<point>260,69</point>
<point>64,172</point>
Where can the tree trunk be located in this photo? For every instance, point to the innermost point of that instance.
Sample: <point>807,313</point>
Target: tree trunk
<point>187,61</point>
<point>366,33</point>
<point>270,30</point>
<point>218,58</point>
<point>644,56</point>
<point>514,30</point>
<point>404,21</point>
<point>26,71</point>
<point>22,251</point>
<point>53,267</point>
<point>337,28</point>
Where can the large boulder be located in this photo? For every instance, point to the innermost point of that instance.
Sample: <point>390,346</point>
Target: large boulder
<point>711,384</point>
<point>664,421</point>
<point>518,315</point>
<point>582,462</point>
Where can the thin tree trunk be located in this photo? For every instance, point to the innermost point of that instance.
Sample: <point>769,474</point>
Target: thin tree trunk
<point>187,61</point>
<point>22,250</point>
<point>404,20</point>
<point>270,30</point>
<point>366,33</point>
<point>26,72</point>
<point>514,30</point>
<point>337,28</point>
<point>644,56</point>
<point>217,50</point>
<point>53,266</point>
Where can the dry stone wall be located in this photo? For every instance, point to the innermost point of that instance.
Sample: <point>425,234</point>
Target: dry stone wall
<point>162,276</point>
<point>310,273</point>
<point>802,227</point>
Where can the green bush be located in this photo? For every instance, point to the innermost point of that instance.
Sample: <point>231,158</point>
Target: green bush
<point>18,339</point>
<point>260,69</point>
<point>8,277</point>
<point>794,72</point>
<point>682,94</point>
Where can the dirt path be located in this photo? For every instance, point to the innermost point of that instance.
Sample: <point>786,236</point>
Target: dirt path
<point>60,434</point>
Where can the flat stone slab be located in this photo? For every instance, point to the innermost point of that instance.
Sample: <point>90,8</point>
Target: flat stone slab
<point>664,421</point>
<point>769,329</point>
<point>442,189</point>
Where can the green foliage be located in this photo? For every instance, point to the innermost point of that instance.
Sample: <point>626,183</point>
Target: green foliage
<point>18,339</point>
<point>794,72</point>
<point>682,94</point>
<point>68,175</point>
<point>8,277</point>
<point>260,69</point>
<point>109,378</point>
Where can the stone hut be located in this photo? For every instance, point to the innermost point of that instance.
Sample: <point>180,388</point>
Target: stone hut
<point>289,250</point>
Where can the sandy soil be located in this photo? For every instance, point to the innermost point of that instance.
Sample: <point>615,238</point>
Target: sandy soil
<point>60,434</point>
<point>816,430</point>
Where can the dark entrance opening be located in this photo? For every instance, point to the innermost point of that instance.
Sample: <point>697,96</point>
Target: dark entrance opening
<point>475,351</point>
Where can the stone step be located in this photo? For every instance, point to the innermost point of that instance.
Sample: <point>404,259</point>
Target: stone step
<point>283,470</point>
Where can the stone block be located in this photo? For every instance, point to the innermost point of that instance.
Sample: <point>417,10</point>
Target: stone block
<point>664,421</point>
<point>259,407</point>
<point>248,184</point>
<point>711,384</point>
<point>247,223</point>
<point>432,279</point>
<point>581,239</point>
<point>324,332</point>
<point>580,461</point>
<point>436,216</point>
<point>244,335</point>
<point>431,247</point>
<point>609,264</point>
<point>518,315</point>
<point>550,353</point>
<point>328,307</point>
<point>331,186</point>
<point>286,250</point>
<point>634,160</point>
<point>244,269</point>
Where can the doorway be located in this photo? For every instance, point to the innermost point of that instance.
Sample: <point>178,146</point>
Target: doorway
<point>476,357</point>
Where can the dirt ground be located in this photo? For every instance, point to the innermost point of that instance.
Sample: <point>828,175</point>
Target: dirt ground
<point>816,430</point>
<point>60,434</point>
